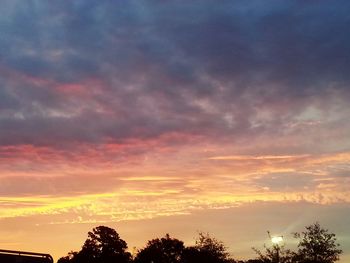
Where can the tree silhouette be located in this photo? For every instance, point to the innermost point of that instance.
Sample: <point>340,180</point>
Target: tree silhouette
<point>70,258</point>
<point>316,245</point>
<point>164,250</point>
<point>103,245</point>
<point>277,253</point>
<point>207,250</point>
<point>274,254</point>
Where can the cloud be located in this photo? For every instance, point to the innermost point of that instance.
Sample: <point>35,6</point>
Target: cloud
<point>145,70</point>
<point>68,185</point>
<point>116,111</point>
<point>282,182</point>
<point>267,157</point>
<point>148,102</point>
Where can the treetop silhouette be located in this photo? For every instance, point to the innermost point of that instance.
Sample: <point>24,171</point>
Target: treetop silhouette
<point>104,245</point>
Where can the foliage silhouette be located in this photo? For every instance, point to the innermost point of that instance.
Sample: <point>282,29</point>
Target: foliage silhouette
<point>207,250</point>
<point>164,250</point>
<point>103,245</point>
<point>70,258</point>
<point>317,245</point>
<point>275,254</point>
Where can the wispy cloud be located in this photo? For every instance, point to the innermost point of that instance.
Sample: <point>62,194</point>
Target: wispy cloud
<point>263,157</point>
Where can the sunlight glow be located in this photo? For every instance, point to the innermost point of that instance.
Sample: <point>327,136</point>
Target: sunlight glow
<point>276,239</point>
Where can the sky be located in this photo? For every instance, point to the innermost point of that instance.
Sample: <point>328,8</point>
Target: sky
<point>154,117</point>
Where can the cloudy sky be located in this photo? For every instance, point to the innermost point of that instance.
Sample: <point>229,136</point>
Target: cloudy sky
<point>173,116</point>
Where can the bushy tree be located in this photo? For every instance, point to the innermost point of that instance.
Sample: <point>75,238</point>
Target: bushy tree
<point>70,258</point>
<point>274,254</point>
<point>164,250</point>
<point>317,245</point>
<point>207,250</point>
<point>103,245</point>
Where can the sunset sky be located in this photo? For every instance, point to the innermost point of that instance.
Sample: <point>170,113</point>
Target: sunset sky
<point>228,117</point>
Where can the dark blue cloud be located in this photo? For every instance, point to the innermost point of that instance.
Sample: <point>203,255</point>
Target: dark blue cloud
<point>168,67</point>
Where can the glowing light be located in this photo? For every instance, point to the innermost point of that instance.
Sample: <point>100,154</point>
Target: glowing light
<point>276,239</point>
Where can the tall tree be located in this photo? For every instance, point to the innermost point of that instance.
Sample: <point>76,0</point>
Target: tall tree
<point>317,245</point>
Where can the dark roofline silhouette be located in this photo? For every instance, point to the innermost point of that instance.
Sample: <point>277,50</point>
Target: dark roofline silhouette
<point>26,254</point>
